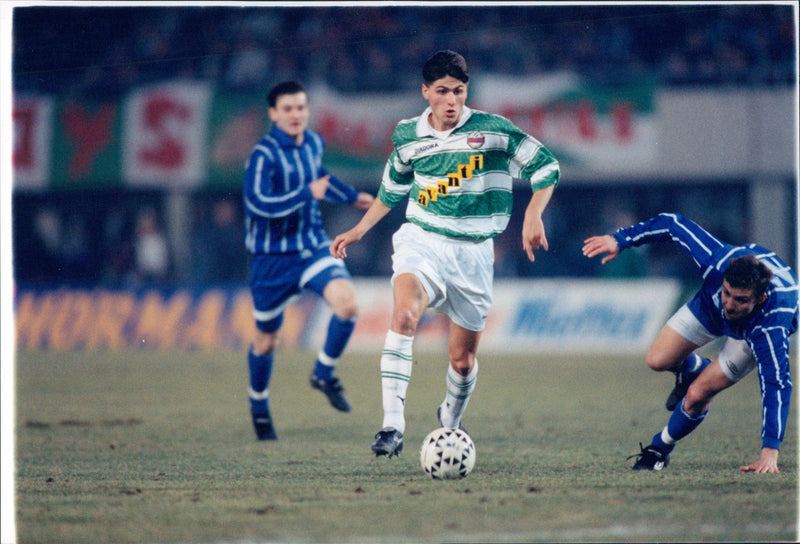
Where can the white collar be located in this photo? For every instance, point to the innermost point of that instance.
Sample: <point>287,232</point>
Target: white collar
<point>424,128</point>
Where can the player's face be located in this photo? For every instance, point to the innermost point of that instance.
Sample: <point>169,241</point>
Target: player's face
<point>446,97</point>
<point>290,114</point>
<point>738,303</point>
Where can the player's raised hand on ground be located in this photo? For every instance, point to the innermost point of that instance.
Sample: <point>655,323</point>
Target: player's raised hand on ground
<point>595,245</point>
<point>319,187</point>
<point>767,463</point>
<point>364,201</point>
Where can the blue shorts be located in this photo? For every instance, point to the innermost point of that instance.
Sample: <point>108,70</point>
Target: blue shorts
<point>276,280</point>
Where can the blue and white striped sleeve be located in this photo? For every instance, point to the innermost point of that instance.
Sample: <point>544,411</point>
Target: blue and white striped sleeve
<point>771,348</point>
<point>339,191</point>
<point>699,244</point>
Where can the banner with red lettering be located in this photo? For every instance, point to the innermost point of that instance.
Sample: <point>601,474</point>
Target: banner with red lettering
<point>181,134</point>
<point>32,121</point>
<point>165,135</point>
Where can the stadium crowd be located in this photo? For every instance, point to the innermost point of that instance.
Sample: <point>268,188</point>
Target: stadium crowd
<point>362,49</point>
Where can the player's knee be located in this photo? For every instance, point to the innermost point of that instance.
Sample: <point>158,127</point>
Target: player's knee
<point>658,362</point>
<point>462,366</point>
<point>404,322</point>
<point>462,361</point>
<point>697,400</point>
<point>264,343</point>
<point>346,308</point>
<point>341,296</point>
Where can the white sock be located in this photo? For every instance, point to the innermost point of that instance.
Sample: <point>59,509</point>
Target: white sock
<point>459,389</point>
<point>396,365</point>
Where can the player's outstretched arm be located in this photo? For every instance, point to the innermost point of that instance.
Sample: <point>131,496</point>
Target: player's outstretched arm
<point>595,245</point>
<point>768,462</point>
<point>375,213</point>
<point>364,201</point>
<point>533,235</point>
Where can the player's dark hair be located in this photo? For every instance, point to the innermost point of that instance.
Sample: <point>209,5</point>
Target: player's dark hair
<point>748,273</point>
<point>287,87</point>
<point>445,63</point>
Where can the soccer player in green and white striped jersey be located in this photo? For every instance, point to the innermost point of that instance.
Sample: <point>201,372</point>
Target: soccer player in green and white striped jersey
<point>456,166</point>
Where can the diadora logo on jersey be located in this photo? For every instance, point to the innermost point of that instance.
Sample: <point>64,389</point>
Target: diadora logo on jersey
<point>464,171</point>
<point>427,146</point>
<point>475,140</point>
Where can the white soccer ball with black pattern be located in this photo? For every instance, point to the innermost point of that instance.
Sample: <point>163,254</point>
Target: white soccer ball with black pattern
<point>447,454</point>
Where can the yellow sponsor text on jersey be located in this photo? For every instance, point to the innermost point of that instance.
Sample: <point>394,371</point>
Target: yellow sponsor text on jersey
<point>464,171</point>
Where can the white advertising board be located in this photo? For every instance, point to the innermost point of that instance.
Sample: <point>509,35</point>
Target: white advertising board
<point>543,315</point>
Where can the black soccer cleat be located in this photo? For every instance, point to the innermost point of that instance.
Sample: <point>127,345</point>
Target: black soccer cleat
<point>650,458</point>
<point>388,442</point>
<point>334,390</point>
<point>262,423</point>
<point>678,392</point>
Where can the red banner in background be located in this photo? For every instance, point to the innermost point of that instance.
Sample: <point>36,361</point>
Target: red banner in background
<point>184,134</point>
<point>32,127</point>
<point>165,135</point>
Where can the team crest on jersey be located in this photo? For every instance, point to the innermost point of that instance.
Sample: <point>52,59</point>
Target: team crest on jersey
<point>475,139</point>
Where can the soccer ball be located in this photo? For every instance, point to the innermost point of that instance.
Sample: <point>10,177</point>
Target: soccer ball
<point>447,454</point>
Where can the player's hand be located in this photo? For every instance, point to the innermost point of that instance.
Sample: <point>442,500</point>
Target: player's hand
<point>767,463</point>
<point>364,201</point>
<point>533,236</point>
<point>340,243</point>
<point>596,245</point>
<point>320,187</point>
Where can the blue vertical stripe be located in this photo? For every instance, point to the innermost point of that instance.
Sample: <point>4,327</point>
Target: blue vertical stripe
<point>281,214</point>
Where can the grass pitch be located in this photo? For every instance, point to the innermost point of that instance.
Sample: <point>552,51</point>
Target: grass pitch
<point>157,447</point>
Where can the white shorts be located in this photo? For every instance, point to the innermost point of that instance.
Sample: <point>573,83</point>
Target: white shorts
<point>456,274</point>
<point>735,357</point>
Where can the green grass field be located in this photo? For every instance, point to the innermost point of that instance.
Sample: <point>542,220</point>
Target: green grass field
<point>157,447</point>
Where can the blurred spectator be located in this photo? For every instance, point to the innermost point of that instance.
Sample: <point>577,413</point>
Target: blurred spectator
<point>219,255</point>
<point>249,65</point>
<point>151,249</point>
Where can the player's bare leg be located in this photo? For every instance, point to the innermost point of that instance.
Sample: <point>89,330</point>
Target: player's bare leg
<point>410,302</point>
<point>671,351</point>
<point>668,350</point>
<point>703,389</point>
<point>340,294</point>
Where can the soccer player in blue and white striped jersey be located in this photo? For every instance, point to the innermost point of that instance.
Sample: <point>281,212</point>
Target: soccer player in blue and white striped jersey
<point>750,296</point>
<point>283,184</point>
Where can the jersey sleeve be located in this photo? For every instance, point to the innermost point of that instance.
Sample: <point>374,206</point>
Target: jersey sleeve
<point>771,348</point>
<point>699,244</point>
<point>339,191</point>
<point>531,161</point>
<point>398,177</point>
<point>260,197</point>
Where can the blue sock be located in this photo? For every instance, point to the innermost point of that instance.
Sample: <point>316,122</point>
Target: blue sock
<point>260,372</point>
<point>679,425</point>
<point>339,332</point>
<point>692,366</point>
